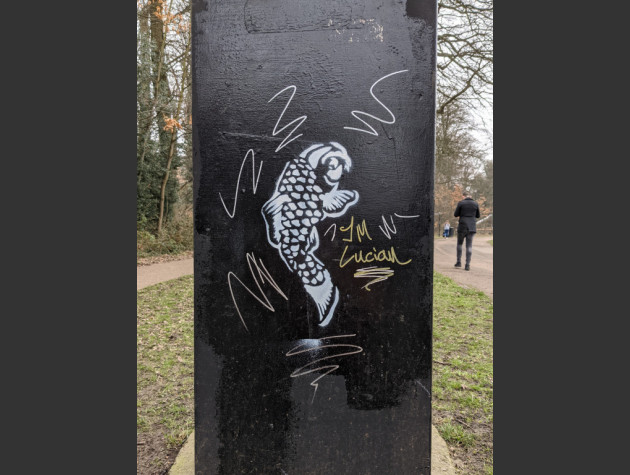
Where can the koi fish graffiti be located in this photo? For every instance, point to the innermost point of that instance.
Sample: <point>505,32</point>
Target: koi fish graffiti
<point>306,193</point>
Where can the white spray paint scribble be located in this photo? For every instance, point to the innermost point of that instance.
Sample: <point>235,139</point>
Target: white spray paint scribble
<point>333,226</point>
<point>263,274</point>
<point>314,345</point>
<point>355,113</point>
<point>388,231</point>
<point>299,120</point>
<point>255,179</point>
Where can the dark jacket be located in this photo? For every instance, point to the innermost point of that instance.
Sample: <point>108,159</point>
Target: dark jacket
<point>467,210</point>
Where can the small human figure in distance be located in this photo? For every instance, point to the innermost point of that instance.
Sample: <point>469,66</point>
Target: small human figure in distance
<point>467,211</point>
<point>447,229</point>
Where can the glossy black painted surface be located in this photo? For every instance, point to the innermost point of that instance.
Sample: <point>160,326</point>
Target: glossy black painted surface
<point>275,391</point>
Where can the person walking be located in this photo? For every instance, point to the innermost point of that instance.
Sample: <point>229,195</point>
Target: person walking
<point>467,211</point>
<point>447,229</point>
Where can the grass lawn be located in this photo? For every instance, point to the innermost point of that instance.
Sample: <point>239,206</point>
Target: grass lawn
<point>462,373</point>
<point>165,404</point>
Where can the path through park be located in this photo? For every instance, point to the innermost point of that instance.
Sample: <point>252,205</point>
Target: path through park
<point>156,273</point>
<point>480,275</point>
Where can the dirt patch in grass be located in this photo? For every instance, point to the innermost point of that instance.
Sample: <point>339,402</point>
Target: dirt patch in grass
<point>463,374</point>
<point>165,402</point>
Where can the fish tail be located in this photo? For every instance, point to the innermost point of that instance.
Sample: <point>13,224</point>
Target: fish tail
<point>318,284</point>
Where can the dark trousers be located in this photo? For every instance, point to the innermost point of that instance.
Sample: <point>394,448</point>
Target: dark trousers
<point>460,240</point>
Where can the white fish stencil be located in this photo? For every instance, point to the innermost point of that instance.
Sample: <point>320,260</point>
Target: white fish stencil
<point>306,193</point>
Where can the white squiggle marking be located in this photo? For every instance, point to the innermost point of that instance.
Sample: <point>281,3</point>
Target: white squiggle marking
<point>425,389</point>
<point>406,217</point>
<point>355,114</point>
<point>388,231</point>
<point>262,273</point>
<point>334,228</point>
<point>300,371</point>
<point>255,179</point>
<point>300,120</point>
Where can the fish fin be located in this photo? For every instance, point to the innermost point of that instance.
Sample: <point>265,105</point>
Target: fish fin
<point>336,202</point>
<point>272,213</point>
<point>314,241</point>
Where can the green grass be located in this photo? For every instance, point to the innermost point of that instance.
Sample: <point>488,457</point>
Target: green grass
<point>165,362</point>
<point>455,434</point>
<point>462,369</point>
<point>491,242</point>
<point>462,373</point>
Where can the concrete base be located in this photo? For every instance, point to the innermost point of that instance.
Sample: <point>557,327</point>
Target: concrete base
<point>441,462</point>
<point>185,461</point>
<point>440,458</point>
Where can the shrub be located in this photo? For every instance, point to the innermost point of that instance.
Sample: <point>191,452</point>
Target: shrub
<point>176,236</point>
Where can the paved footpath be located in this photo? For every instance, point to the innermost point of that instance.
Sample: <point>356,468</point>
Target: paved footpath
<point>479,277</point>
<point>156,273</point>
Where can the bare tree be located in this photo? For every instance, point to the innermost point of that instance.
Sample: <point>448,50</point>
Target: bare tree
<point>460,162</point>
<point>458,154</point>
<point>465,52</point>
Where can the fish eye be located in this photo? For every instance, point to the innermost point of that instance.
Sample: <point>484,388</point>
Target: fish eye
<point>332,163</point>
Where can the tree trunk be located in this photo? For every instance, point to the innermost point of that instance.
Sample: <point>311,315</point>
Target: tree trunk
<point>173,138</point>
<point>144,73</point>
<point>167,174</point>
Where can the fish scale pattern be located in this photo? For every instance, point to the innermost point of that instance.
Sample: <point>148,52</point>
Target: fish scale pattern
<point>300,215</point>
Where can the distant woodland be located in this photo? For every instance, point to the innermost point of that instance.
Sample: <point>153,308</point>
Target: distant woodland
<point>164,117</point>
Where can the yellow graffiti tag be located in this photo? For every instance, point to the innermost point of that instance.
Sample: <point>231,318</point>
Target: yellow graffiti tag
<point>361,230</point>
<point>371,256</point>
